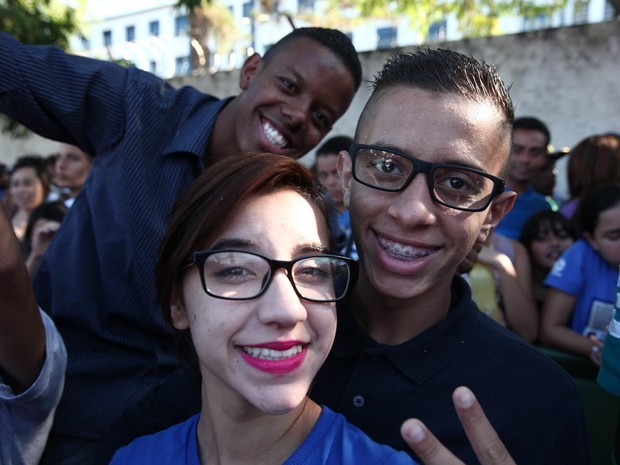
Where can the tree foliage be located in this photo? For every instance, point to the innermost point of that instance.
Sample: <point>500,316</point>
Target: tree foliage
<point>41,22</point>
<point>38,22</point>
<point>476,18</point>
<point>212,28</point>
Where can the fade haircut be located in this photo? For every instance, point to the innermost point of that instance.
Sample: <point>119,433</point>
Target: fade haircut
<point>332,39</point>
<point>534,124</point>
<point>441,71</point>
<point>334,145</point>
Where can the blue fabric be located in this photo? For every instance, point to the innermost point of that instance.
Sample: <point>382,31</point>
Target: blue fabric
<point>582,272</point>
<point>147,140</point>
<point>331,441</point>
<point>26,418</point>
<point>525,205</point>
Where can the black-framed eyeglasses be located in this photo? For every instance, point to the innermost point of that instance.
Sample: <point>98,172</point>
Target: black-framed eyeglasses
<point>451,185</point>
<point>242,275</point>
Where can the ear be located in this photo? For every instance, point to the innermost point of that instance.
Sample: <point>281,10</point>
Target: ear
<point>251,67</point>
<point>345,166</point>
<point>178,314</point>
<point>499,207</point>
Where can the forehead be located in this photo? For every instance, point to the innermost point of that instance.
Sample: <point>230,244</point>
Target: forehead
<point>438,127</point>
<point>280,219</point>
<point>327,162</point>
<point>24,172</point>
<point>528,137</point>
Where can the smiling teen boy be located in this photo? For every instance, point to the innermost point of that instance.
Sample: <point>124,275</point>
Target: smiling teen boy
<point>148,142</point>
<point>422,182</point>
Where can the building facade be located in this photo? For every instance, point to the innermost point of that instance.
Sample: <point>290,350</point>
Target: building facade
<point>154,36</point>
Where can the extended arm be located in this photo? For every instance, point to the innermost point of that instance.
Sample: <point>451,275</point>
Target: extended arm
<point>515,286</point>
<point>22,335</point>
<point>555,330</point>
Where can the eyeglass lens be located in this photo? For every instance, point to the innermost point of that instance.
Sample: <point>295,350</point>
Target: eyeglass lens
<point>241,275</point>
<point>453,186</point>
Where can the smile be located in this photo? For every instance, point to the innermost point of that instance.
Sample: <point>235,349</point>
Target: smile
<point>273,135</point>
<point>403,251</point>
<point>270,354</point>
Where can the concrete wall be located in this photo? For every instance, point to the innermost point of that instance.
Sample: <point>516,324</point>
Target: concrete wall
<point>568,77</point>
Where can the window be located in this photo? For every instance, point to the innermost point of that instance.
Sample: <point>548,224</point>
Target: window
<point>182,66</point>
<point>154,28</point>
<point>531,23</point>
<point>305,5</point>
<point>437,31</point>
<point>181,25</point>
<point>386,37</point>
<point>130,33</point>
<point>107,38</point>
<point>581,12</point>
<point>247,10</point>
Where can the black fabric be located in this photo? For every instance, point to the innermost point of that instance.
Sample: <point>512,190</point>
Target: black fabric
<point>530,400</point>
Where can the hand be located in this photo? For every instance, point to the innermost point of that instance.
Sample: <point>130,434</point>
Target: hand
<point>597,349</point>
<point>42,235</point>
<point>486,443</point>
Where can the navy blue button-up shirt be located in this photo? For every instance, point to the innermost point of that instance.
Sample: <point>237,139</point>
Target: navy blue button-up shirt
<point>97,278</point>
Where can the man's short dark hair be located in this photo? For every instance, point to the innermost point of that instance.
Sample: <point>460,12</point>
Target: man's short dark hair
<point>333,40</point>
<point>529,122</point>
<point>334,145</point>
<point>443,71</point>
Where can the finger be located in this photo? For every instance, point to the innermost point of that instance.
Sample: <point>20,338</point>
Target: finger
<point>425,444</point>
<point>486,443</point>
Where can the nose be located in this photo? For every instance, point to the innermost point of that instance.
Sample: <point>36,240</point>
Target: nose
<point>414,206</point>
<point>296,112</point>
<point>280,304</point>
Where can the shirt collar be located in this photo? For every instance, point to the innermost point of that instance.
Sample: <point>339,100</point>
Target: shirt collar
<point>187,138</point>
<point>423,356</point>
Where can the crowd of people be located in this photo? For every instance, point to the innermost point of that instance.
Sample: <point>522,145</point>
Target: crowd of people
<point>196,204</point>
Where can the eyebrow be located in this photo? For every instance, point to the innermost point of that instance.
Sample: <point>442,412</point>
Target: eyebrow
<point>390,147</point>
<point>246,244</point>
<point>323,105</point>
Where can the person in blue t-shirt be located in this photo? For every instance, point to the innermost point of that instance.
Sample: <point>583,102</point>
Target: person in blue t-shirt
<point>580,295</point>
<point>528,157</point>
<point>252,298</point>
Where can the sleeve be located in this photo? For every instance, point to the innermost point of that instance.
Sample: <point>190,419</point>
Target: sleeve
<point>61,96</point>
<point>567,274</point>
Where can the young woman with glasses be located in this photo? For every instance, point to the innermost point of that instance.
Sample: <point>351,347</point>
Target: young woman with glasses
<point>245,278</point>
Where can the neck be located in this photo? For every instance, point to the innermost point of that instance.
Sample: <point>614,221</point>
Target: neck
<point>517,186</point>
<point>392,321</point>
<point>222,141</point>
<point>241,434</point>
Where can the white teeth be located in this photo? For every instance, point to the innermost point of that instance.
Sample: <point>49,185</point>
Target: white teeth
<point>403,252</point>
<point>273,135</point>
<point>270,354</point>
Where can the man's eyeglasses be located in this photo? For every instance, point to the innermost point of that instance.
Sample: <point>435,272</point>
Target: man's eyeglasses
<point>451,185</point>
<point>241,275</point>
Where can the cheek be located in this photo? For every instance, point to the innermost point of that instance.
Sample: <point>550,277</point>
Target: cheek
<point>322,320</point>
<point>610,251</point>
<point>539,249</point>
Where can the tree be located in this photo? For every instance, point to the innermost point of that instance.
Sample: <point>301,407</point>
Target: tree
<point>211,28</point>
<point>40,22</point>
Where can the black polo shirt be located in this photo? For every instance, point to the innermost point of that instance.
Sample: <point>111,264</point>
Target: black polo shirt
<point>532,403</point>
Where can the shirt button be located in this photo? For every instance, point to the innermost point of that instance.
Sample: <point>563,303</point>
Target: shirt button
<point>358,400</point>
